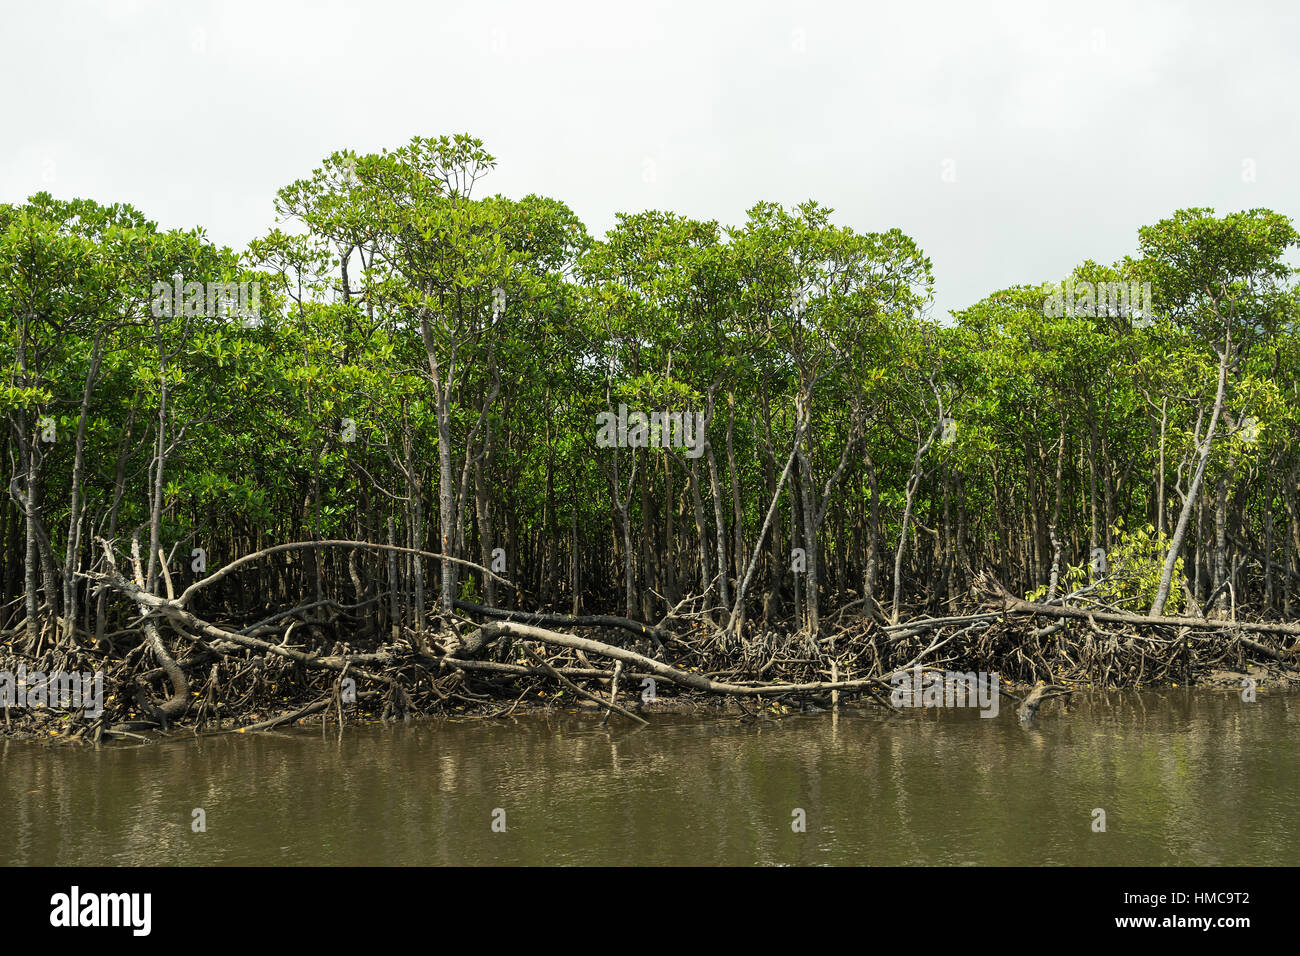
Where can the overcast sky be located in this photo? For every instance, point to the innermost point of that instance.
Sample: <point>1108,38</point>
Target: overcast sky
<point>1012,141</point>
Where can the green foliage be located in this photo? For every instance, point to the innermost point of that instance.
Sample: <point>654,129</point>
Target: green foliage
<point>415,330</point>
<point>1134,565</point>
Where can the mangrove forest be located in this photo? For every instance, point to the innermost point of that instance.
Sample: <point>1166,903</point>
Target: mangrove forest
<point>426,449</point>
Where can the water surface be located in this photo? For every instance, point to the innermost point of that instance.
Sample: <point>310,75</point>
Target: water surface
<point>1184,778</point>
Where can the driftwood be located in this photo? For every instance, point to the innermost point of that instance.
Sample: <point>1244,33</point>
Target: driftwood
<point>541,619</point>
<point>692,681</point>
<point>1028,708</point>
<point>613,691</point>
<point>1004,633</point>
<point>174,611</point>
<point>564,681</point>
<point>1014,605</point>
<point>190,626</point>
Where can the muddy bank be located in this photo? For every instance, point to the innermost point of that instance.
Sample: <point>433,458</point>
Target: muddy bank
<point>205,677</point>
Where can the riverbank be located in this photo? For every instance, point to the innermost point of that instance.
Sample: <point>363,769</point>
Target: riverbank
<point>508,668</point>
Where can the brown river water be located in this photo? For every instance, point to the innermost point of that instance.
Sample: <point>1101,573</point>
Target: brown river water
<point>1184,777</point>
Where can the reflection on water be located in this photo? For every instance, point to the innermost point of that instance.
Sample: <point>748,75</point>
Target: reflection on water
<point>1184,778</point>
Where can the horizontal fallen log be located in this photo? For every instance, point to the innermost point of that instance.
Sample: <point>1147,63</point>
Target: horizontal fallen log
<point>1142,620</point>
<point>542,619</point>
<point>491,632</point>
<point>906,629</point>
<point>1014,605</point>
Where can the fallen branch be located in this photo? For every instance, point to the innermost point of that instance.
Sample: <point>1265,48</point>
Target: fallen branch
<point>491,632</point>
<point>541,619</point>
<point>1014,605</point>
<point>564,681</point>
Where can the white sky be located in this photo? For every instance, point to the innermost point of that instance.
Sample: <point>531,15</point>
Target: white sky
<point>1065,127</point>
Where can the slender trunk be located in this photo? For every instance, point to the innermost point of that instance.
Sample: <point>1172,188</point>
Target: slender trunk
<point>733,474</point>
<point>1221,546</point>
<point>812,584</point>
<point>913,482</point>
<point>738,609</point>
<point>1180,530</point>
<point>724,589</point>
<point>72,552</point>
